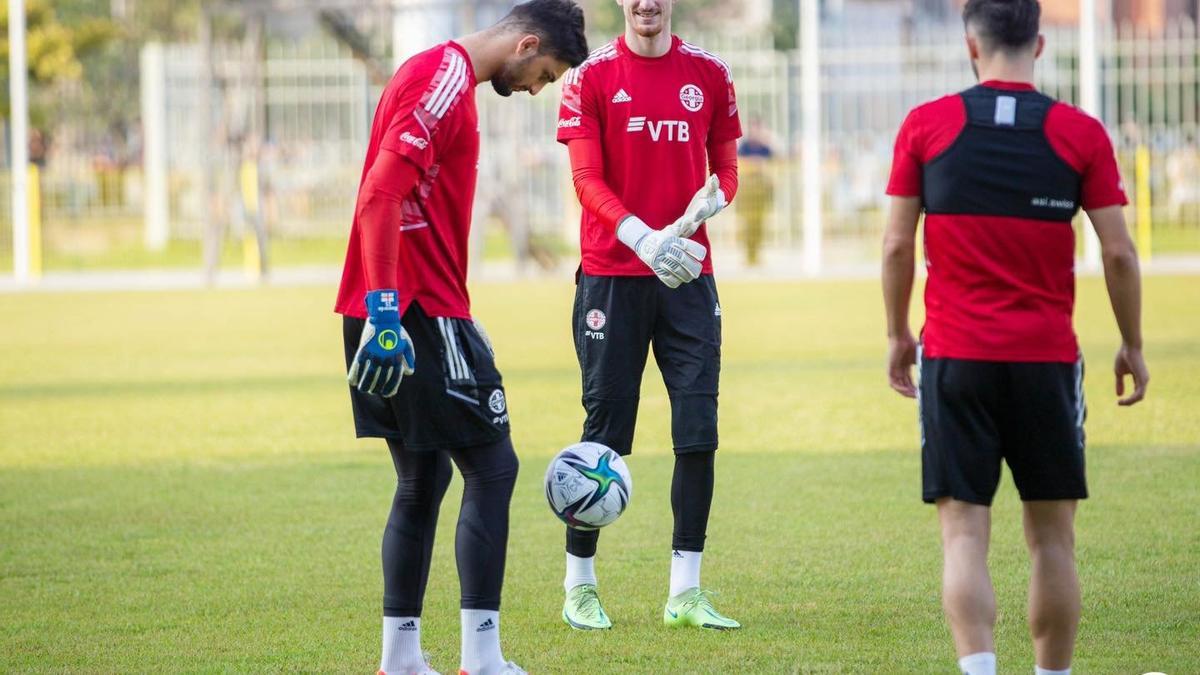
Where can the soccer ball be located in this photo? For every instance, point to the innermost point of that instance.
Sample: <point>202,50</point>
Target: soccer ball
<point>588,486</point>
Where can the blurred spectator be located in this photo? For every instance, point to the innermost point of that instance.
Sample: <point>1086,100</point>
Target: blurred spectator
<point>756,193</point>
<point>1183,166</point>
<point>109,162</point>
<point>38,148</point>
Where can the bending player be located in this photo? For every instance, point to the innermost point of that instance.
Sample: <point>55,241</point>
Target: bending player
<point>645,118</point>
<point>422,373</point>
<point>1000,170</point>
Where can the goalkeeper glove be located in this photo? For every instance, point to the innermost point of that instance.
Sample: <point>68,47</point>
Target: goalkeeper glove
<point>674,260</point>
<point>385,352</point>
<point>708,202</point>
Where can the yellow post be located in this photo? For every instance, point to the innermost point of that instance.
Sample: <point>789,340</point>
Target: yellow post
<point>35,223</point>
<point>251,262</point>
<point>1144,224</point>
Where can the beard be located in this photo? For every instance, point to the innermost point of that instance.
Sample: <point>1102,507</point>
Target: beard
<point>511,73</point>
<point>645,32</point>
<point>501,86</point>
<point>649,32</point>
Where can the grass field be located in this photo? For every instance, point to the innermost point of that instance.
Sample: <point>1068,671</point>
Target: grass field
<point>180,490</point>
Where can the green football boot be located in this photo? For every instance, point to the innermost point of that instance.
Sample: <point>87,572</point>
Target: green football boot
<point>693,607</point>
<point>582,610</point>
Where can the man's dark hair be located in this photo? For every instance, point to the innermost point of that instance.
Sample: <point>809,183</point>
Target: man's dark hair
<point>557,23</point>
<point>1004,24</point>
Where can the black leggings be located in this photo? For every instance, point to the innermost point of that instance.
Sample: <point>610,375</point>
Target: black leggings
<point>691,499</point>
<point>481,541</point>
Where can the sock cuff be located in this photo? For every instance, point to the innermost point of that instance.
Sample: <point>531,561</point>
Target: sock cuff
<point>979,663</point>
<point>579,571</point>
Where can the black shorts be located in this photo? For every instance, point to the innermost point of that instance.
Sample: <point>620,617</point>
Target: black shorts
<point>454,399</point>
<point>615,321</point>
<point>976,414</point>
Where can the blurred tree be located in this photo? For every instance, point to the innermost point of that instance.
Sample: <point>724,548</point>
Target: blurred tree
<point>785,23</point>
<point>166,20</point>
<point>55,50</point>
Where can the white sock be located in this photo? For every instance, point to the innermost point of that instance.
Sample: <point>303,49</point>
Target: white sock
<point>579,571</point>
<point>401,645</point>
<point>980,663</point>
<point>685,571</point>
<point>1038,670</point>
<point>481,642</point>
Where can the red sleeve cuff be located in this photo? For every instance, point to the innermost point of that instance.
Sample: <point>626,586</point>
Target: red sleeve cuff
<point>903,191</point>
<point>723,163</point>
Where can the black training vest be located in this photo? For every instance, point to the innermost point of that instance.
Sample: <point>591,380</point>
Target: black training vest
<point>1001,164</point>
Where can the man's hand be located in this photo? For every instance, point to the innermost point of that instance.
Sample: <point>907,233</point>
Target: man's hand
<point>708,202</point>
<point>385,352</point>
<point>902,356</point>
<point>1124,281</point>
<point>676,261</point>
<point>1131,362</point>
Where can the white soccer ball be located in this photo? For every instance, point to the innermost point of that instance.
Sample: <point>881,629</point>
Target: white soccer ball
<point>588,486</point>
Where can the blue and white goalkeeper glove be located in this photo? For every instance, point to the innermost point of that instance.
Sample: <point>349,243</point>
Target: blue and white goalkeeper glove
<point>385,352</point>
<point>674,260</point>
<point>708,202</point>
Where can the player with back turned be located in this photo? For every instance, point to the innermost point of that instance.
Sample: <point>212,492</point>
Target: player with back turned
<point>422,373</point>
<point>646,119</point>
<point>1000,170</point>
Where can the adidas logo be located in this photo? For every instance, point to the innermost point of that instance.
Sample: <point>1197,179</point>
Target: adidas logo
<point>676,555</point>
<point>486,626</point>
<point>408,626</point>
<point>622,97</point>
<point>717,311</point>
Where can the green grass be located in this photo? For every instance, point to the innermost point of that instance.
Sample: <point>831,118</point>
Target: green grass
<point>180,491</point>
<point>1179,239</point>
<point>126,253</point>
<point>123,255</point>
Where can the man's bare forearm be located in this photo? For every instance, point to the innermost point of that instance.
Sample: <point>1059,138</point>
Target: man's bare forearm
<point>1124,280</point>
<point>899,249</point>
<point>898,267</point>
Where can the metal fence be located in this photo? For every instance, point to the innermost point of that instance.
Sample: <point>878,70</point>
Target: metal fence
<point>317,103</point>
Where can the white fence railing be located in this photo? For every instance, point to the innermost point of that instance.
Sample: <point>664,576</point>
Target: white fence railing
<point>319,101</point>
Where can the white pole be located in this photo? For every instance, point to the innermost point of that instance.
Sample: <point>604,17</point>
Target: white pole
<point>18,88</point>
<point>810,95</point>
<point>154,132</point>
<point>1089,101</point>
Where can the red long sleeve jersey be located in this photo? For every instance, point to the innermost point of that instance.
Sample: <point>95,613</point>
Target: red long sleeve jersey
<point>655,118</point>
<point>1001,170</point>
<point>427,115</point>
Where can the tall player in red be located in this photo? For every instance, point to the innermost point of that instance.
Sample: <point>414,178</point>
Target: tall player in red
<point>646,119</point>
<point>422,373</point>
<point>999,171</point>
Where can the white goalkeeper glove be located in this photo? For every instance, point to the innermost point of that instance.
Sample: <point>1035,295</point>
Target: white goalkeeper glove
<point>708,202</point>
<point>674,260</point>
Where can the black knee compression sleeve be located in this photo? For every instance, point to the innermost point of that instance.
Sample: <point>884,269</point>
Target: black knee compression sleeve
<point>691,498</point>
<point>421,481</point>
<point>481,542</point>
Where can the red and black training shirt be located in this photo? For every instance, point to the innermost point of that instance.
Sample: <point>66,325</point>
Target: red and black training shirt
<point>1001,170</point>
